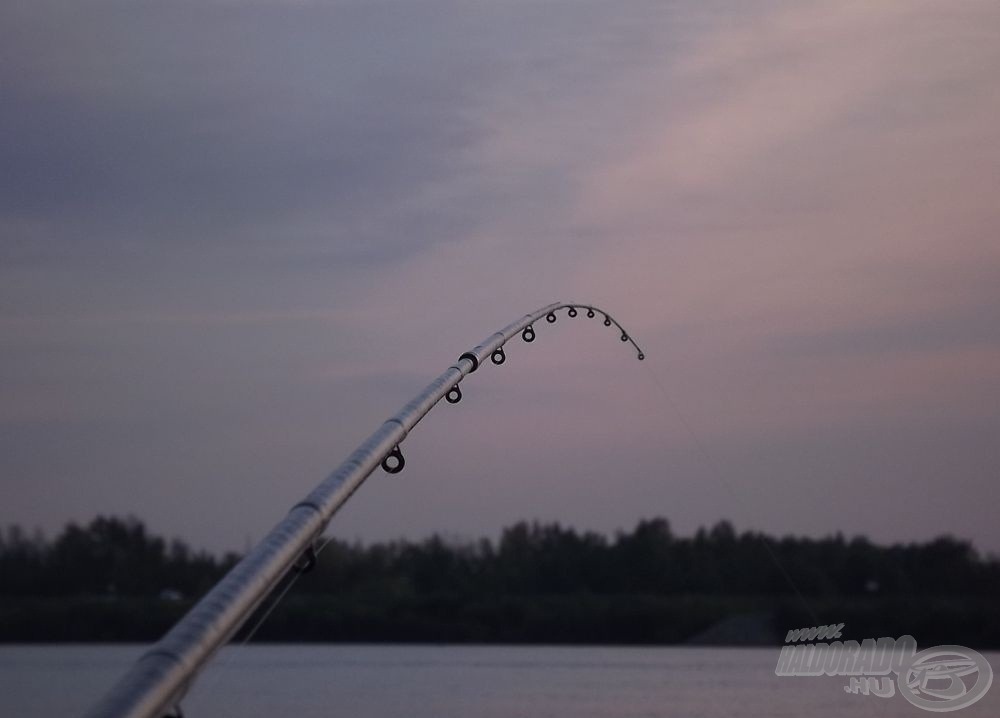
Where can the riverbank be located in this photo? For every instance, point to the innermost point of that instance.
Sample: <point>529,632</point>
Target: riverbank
<point>575,619</point>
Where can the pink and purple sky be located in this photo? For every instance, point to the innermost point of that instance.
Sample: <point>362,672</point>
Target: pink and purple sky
<point>236,236</point>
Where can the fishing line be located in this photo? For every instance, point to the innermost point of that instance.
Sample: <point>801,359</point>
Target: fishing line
<point>720,476</point>
<point>295,576</point>
<point>224,662</point>
<point>175,663</point>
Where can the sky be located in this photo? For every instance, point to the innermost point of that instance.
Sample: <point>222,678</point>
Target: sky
<point>237,236</point>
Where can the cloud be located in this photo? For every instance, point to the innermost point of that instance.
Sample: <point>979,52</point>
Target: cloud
<point>237,235</point>
<point>804,76</point>
<point>822,170</point>
<point>247,125</point>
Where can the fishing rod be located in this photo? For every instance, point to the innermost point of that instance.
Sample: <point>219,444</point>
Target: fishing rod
<point>155,684</point>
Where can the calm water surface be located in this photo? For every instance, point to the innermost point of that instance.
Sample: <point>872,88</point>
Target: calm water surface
<point>363,681</point>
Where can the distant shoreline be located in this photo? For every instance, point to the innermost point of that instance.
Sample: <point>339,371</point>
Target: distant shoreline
<point>567,620</point>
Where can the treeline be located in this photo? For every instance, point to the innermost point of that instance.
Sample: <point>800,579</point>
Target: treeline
<point>119,557</point>
<point>113,580</point>
<point>108,557</point>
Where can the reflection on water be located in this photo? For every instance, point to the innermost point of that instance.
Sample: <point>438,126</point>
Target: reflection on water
<point>457,682</point>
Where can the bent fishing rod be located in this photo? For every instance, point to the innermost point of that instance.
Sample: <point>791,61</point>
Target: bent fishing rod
<point>154,686</point>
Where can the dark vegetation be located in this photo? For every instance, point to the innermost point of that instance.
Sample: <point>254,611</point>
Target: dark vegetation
<point>112,580</point>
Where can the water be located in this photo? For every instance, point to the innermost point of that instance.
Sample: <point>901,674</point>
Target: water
<point>365,681</point>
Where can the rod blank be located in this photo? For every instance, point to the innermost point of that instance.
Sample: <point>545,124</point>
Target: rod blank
<point>161,677</point>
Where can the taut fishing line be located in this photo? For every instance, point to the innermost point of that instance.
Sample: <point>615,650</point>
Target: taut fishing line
<point>722,479</point>
<point>161,677</point>
<point>264,612</point>
<point>225,661</point>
